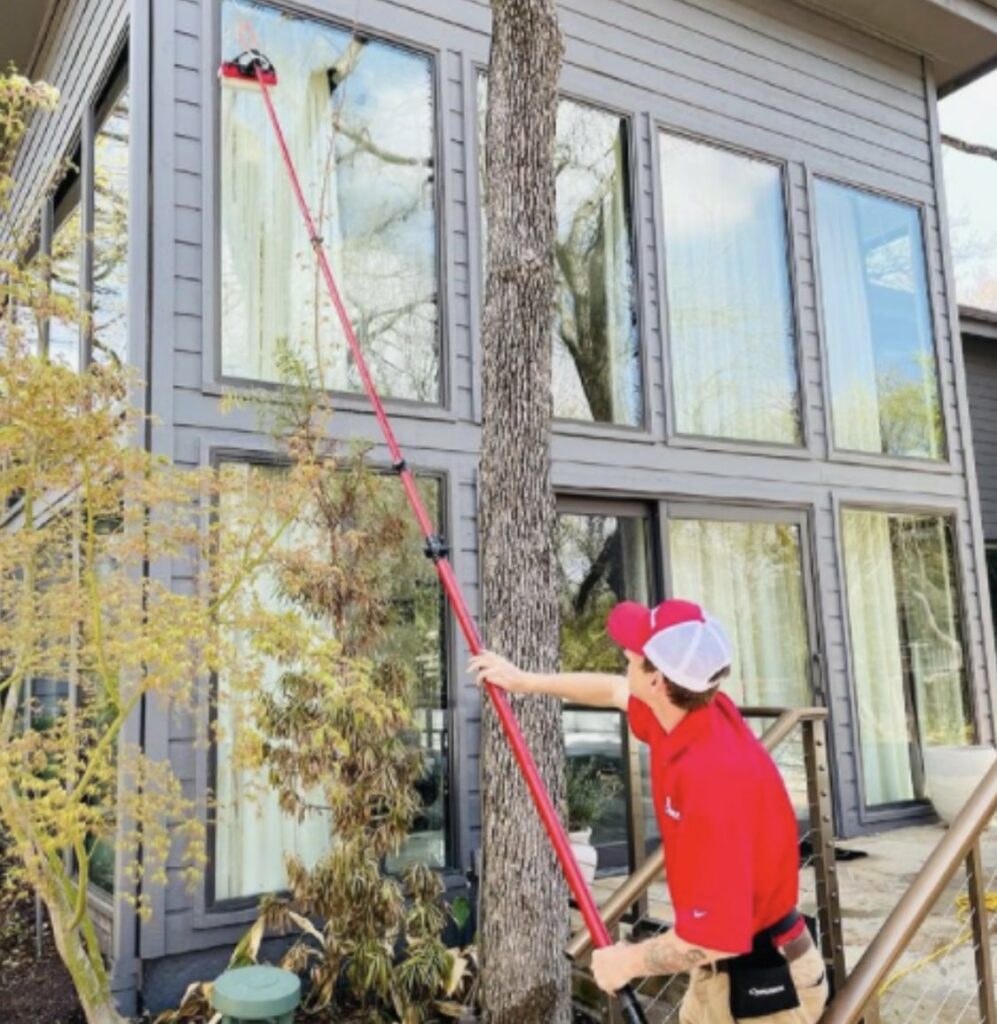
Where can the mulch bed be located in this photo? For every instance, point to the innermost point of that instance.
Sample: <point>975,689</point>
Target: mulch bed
<point>33,990</point>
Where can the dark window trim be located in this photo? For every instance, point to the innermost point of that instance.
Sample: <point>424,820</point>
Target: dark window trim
<point>910,811</point>
<point>946,459</point>
<point>213,375</point>
<point>643,430</point>
<point>208,914</point>
<point>804,448</point>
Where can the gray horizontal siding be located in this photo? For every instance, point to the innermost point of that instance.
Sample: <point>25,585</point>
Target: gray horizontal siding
<point>980,356</point>
<point>75,57</point>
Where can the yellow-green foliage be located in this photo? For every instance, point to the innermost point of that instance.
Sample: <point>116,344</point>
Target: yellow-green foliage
<point>94,531</point>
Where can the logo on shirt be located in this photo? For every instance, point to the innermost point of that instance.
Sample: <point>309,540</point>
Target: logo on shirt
<point>699,914</point>
<point>670,811</point>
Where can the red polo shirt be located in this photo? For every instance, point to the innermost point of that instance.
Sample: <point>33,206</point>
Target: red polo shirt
<point>727,825</point>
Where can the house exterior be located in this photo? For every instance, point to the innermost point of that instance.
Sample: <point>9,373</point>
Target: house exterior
<point>760,393</point>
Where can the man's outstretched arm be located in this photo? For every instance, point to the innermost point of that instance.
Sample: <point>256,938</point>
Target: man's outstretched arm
<point>597,689</point>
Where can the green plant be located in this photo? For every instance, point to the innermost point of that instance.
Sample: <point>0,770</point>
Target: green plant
<point>589,793</point>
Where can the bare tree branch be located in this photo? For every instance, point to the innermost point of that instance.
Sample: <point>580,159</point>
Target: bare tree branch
<point>973,148</point>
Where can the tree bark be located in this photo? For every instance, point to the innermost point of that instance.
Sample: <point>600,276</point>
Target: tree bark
<point>525,975</point>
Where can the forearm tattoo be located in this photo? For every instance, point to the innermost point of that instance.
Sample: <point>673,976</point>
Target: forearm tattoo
<point>662,957</point>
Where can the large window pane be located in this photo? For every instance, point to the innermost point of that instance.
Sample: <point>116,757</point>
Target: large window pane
<point>602,559</point>
<point>907,649</point>
<point>110,235</point>
<point>64,331</point>
<point>596,362</point>
<point>358,116</point>
<point>252,834</point>
<point>596,372</point>
<point>749,574</point>
<point>877,324</point>
<point>970,185</point>
<point>730,309</point>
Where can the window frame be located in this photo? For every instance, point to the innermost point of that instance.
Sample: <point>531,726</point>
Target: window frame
<point>214,381</point>
<point>804,448</point>
<point>918,810</point>
<point>212,912</point>
<point>632,116</point>
<point>946,460</point>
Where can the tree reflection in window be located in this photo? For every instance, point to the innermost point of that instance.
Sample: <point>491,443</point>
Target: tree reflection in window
<point>596,372</point>
<point>358,116</point>
<point>110,235</point>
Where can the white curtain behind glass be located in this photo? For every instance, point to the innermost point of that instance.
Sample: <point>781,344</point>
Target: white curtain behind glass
<point>749,575</point>
<point>364,153</point>
<point>847,324</point>
<point>253,834</point>
<point>876,657</point>
<point>731,330</point>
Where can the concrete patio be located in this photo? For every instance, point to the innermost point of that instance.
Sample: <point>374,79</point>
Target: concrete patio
<point>942,991</point>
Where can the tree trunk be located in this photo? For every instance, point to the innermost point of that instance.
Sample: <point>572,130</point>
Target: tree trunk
<point>525,975</point>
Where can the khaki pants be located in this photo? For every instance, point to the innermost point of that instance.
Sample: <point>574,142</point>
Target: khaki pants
<point>708,998</point>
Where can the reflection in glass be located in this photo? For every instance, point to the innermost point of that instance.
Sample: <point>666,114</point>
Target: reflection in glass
<point>905,629</point>
<point>358,115</point>
<point>253,834</point>
<point>64,331</point>
<point>110,235</point>
<point>601,560</point>
<point>596,373</point>
<point>750,576</point>
<point>877,324</point>
<point>596,360</point>
<point>730,312</point>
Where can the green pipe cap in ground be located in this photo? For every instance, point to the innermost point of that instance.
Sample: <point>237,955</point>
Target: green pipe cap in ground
<point>256,993</point>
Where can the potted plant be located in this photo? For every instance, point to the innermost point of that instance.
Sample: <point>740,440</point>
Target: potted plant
<point>952,773</point>
<point>589,792</point>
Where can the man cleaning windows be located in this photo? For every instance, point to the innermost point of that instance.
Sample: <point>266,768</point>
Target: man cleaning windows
<point>726,821</point>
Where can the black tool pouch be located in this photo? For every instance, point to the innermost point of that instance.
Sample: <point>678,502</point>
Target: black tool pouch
<point>757,990</point>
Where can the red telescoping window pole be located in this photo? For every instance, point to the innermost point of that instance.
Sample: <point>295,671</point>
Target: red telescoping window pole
<point>253,67</point>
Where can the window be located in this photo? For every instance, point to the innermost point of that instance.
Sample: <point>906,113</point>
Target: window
<point>596,371</point>
<point>110,232</point>
<point>603,559</point>
<point>66,263</point>
<point>750,573</point>
<point>730,308</point>
<point>905,625</point>
<point>877,324</point>
<point>359,119</point>
<point>252,834</point>
<point>970,184</point>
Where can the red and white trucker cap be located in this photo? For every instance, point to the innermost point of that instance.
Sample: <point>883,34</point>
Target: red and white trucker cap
<point>685,644</point>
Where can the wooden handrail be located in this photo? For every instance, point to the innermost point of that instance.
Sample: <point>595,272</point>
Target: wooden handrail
<point>915,905</point>
<point>613,909</point>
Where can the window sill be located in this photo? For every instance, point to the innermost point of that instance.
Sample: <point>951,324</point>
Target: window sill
<point>338,400</point>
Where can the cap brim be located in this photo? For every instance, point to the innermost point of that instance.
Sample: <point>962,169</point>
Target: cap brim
<point>629,625</point>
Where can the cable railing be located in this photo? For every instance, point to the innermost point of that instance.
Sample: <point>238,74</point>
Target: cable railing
<point>640,907</point>
<point>876,991</point>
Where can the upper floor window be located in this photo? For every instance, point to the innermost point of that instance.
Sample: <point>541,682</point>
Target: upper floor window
<point>877,324</point>
<point>358,116</point>
<point>730,309</point>
<point>596,366</point>
<point>66,264</point>
<point>110,227</point>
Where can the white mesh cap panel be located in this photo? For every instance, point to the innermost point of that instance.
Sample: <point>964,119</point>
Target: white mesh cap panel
<point>690,654</point>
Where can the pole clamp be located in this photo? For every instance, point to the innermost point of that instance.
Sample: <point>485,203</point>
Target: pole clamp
<point>436,548</point>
